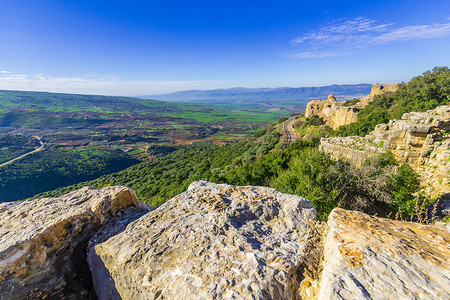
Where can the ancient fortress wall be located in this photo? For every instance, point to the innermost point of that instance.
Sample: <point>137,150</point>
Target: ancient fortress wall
<point>335,114</point>
<point>421,139</point>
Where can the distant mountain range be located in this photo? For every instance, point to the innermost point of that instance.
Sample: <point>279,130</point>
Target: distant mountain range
<point>294,98</point>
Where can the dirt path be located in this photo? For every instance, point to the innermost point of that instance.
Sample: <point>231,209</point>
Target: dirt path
<point>28,153</point>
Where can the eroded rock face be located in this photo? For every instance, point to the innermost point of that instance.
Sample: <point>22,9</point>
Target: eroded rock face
<point>333,112</point>
<point>214,240</point>
<point>43,241</point>
<point>331,98</point>
<point>373,258</point>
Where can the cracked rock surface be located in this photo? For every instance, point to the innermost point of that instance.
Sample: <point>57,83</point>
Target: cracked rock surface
<point>373,258</point>
<point>212,241</point>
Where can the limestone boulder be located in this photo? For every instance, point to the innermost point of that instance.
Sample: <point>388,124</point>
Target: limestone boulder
<point>373,258</point>
<point>212,241</point>
<point>43,241</point>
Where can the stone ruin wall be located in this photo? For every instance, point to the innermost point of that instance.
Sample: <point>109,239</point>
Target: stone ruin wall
<point>421,139</point>
<point>378,89</point>
<point>335,114</point>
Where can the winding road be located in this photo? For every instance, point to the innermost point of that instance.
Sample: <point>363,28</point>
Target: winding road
<point>290,135</point>
<point>26,154</point>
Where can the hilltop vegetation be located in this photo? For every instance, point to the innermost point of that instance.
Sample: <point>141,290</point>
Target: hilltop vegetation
<point>161,178</point>
<point>421,93</point>
<point>16,145</point>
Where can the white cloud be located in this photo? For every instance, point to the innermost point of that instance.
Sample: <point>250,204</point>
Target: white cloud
<point>351,36</point>
<point>413,33</point>
<point>91,84</point>
<point>322,54</point>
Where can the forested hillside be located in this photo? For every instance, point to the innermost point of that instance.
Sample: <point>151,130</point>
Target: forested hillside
<point>297,169</point>
<point>380,186</point>
<point>117,131</point>
<point>47,170</point>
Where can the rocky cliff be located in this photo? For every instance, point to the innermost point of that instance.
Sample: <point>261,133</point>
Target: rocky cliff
<point>419,139</point>
<point>335,114</point>
<point>214,241</point>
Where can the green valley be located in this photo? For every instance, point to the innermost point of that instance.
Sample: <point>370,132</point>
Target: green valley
<point>86,136</point>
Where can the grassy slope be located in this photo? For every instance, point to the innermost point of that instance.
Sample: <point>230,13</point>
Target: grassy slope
<point>298,169</point>
<point>164,177</point>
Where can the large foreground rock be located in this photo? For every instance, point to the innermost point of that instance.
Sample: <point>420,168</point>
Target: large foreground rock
<point>213,241</point>
<point>43,241</point>
<point>373,258</point>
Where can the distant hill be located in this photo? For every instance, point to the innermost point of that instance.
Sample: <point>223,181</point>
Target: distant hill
<point>282,96</point>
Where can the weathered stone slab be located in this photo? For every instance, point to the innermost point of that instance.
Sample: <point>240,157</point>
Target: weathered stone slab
<point>43,242</point>
<point>374,258</point>
<point>212,241</point>
<point>414,128</point>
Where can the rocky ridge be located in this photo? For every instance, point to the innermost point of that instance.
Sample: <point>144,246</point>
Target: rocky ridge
<point>335,114</point>
<point>214,241</point>
<point>421,139</point>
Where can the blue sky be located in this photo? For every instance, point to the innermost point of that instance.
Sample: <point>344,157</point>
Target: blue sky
<point>149,47</point>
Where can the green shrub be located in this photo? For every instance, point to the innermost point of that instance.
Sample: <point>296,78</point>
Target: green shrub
<point>282,119</point>
<point>402,187</point>
<point>351,102</point>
